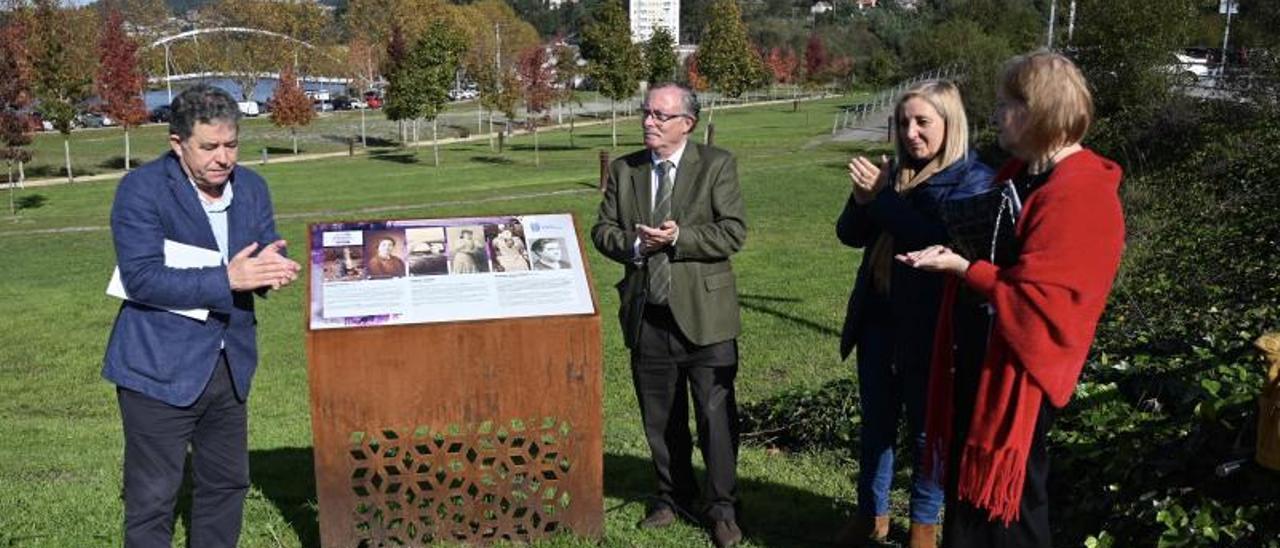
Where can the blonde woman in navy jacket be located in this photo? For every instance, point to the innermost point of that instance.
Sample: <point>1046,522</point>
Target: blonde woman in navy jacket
<point>893,208</point>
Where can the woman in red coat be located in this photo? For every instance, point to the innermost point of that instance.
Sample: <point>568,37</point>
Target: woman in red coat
<point>997,380</point>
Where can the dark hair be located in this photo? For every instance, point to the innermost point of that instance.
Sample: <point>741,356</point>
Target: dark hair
<point>690,99</point>
<point>201,103</point>
<point>539,244</point>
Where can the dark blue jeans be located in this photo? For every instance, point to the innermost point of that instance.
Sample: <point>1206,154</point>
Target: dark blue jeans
<point>885,388</point>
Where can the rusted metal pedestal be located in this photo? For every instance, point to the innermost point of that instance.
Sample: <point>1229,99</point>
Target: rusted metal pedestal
<point>469,431</point>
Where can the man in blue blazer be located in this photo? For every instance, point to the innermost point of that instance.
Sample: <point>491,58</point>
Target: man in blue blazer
<point>184,382</point>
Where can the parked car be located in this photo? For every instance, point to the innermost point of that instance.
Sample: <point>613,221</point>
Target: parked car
<point>373,98</point>
<point>341,102</point>
<point>87,120</point>
<point>160,114</point>
<point>248,108</point>
<point>462,94</point>
<point>322,106</point>
<point>1188,70</point>
<point>359,104</point>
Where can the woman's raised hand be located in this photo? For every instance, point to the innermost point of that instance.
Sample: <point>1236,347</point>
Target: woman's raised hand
<point>868,178</point>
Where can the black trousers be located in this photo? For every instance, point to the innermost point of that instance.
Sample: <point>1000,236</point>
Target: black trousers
<point>667,368</point>
<point>964,525</point>
<point>156,437</point>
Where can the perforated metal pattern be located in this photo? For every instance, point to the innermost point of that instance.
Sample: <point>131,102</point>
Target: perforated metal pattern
<point>473,483</point>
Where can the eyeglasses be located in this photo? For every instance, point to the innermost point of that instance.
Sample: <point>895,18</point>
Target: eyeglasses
<point>659,115</point>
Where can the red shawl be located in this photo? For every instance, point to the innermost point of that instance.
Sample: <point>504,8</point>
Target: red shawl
<point>1047,307</point>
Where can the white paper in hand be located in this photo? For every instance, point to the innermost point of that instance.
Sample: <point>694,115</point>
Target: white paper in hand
<point>176,255</point>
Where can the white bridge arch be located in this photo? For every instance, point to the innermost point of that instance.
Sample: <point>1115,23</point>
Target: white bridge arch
<point>169,77</point>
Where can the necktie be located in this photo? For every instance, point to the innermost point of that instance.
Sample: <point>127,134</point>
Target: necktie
<point>659,263</point>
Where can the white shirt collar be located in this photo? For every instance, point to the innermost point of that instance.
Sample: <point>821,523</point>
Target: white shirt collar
<point>215,206</point>
<point>674,159</point>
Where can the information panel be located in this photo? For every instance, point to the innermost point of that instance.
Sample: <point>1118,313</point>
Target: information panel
<point>444,270</point>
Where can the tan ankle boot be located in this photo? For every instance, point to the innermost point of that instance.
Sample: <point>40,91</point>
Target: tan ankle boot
<point>862,530</point>
<point>924,535</point>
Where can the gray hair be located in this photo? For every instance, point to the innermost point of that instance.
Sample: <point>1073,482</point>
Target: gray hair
<point>687,97</point>
<point>201,103</point>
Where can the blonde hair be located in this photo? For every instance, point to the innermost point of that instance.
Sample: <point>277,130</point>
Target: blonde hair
<point>944,97</point>
<point>1059,105</point>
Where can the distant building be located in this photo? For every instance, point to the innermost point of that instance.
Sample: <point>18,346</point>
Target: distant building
<point>820,8</point>
<point>555,4</point>
<point>864,4</point>
<point>648,15</point>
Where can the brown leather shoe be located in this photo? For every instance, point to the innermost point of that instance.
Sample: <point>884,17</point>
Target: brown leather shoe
<point>923,535</point>
<point>658,518</point>
<point>725,534</point>
<point>862,530</point>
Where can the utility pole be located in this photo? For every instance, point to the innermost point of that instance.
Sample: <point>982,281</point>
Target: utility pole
<point>1053,12</point>
<point>1071,22</point>
<point>168,76</point>
<point>1226,33</point>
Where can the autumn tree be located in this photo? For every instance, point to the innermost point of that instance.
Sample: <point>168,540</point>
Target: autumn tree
<point>495,36</point>
<point>613,61</point>
<point>15,94</point>
<point>119,83</point>
<point>376,19</point>
<point>697,82</point>
<point>290,106</point>
<point>660,56</point>
<point>536,77</point>
<point>782,64</point>
<point>815,60</point>
<point>361,63</point>
<point>60,85</point>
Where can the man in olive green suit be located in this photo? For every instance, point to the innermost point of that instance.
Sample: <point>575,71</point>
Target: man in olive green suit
<point>672,214</point>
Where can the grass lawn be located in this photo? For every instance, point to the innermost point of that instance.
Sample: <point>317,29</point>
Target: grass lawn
<point>60,453</point>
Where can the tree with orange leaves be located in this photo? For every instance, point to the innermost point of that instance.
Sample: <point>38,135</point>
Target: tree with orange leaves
<point>536,77</point>
<point>119,82</point>
<point>290,107</point>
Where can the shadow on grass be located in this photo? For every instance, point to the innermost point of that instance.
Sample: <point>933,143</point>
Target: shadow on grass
<point>30,201</point>
<point>493,160</point>
<point>759,303</point>
<point>379,141</point>
<point>45,171</point>
<point>282,150</point>
<point>286,476</point>
<point>115,163</point>
<point>771,514</point>
<point>399,157</point>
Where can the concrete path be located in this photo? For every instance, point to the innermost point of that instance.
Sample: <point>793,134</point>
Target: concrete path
<point>874,127</point>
